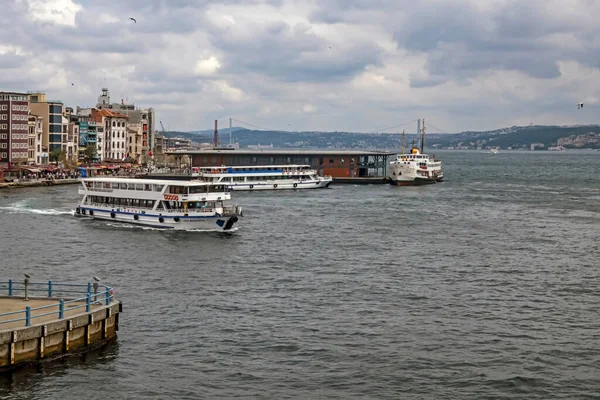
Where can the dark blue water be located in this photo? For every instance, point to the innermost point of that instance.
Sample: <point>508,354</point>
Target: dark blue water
<point>485,286</point>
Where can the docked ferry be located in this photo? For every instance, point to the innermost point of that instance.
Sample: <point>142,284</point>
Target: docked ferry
<point>415,168</point>
<point>266,177</point>
<point>166,204</point>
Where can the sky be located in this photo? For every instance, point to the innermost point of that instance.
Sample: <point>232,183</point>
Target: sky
<point>304,65</point>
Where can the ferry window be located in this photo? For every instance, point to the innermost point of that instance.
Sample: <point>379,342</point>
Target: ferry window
<point>123,186</point>
<point>204,159</point>
<point>148,188</point>
<point>289,159</point>
<point>321,161</point>
<point>158,188</point>
<point>272,160</point>
<point>115,185</point>
<point>214,159</point>
<point>253,159</point>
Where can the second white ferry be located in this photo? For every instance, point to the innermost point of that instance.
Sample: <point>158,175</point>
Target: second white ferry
<point>415,168</point>
<point>181,205</point>
<point>263,177</point>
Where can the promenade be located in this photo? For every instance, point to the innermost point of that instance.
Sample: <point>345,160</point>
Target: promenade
<point>44,310</point>
<point>42,320</point>
<point>36,183</point>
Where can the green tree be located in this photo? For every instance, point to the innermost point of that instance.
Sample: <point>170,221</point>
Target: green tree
<point>56,155</point>
<point>90,154</point>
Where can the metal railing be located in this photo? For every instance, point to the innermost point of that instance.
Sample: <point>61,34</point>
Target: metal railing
<point>67,294</point>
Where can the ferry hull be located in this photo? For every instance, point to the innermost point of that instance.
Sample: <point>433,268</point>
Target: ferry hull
<point>417,182</point>
<point>213,222</point>
<point>280,186</point>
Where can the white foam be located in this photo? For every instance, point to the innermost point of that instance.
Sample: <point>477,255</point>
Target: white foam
<point>23,207</point>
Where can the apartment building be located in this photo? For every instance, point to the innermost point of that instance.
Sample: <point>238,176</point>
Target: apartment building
<point>13,128</point>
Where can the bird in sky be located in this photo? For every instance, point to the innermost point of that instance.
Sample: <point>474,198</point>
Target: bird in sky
<point>579,105</point>
<point>133,19</point>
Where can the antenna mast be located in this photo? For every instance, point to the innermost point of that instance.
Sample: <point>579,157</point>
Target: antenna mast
<point>423,137</point>
<point>402,141</point>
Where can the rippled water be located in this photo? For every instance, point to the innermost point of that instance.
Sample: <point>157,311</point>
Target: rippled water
<point>485,286</point>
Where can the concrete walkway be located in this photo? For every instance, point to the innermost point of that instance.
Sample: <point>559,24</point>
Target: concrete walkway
<point>37,182</point>
<point>9,304</point>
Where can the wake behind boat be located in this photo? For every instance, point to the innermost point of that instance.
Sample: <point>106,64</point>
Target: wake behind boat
<point>180,205</point>
<point>265,177</point>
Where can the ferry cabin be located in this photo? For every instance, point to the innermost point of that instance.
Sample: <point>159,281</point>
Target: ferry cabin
<point>152,201</point>
<point>264,176</point>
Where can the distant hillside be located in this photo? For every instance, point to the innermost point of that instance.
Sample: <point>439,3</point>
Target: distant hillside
<point>516,137</point>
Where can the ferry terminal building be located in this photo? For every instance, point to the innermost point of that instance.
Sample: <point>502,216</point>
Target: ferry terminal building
<point>342,165</point>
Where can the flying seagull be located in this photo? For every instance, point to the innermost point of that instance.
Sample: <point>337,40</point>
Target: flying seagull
<point>579,105</point>
<point>133,19</point>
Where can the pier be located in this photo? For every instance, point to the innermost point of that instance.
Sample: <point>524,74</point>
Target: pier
<point>37,183</point>
<point>47,320</point>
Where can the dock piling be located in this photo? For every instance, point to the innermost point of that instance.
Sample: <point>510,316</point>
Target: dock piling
<point>49,288</point>
<point>27,316</point>
<point>61,309</point>
<point>10,287</point>
<point>88,302</point>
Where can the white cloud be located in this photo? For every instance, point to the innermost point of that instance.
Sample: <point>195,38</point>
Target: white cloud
<point>309,109</point>
<point>60,12</point>
<point>207,66</point>
<point>313,65</point>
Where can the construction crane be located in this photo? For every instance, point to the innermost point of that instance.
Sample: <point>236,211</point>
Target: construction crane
<point>163,127</point>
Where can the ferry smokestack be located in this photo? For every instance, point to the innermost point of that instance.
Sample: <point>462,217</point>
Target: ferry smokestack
<point>216,136</point>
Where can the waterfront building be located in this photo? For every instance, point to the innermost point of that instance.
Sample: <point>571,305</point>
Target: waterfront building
<point>177,143</point>
<point>342,165</point>
<point>143,116</point>
<point>13,128</point>
<point>135,141</point>
<point>114,126</point>
<point>34,138</point>
<point>54,129</point>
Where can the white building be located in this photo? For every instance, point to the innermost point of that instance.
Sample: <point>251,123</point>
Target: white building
<point>114,138</point>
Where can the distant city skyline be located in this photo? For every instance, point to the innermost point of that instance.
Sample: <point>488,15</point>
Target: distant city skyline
<point>355,65</point>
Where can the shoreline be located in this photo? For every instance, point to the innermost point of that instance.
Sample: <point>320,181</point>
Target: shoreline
<point>37,183</point>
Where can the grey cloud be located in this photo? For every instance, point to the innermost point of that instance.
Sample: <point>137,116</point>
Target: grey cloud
<point>510,36</point>
<point>290,53</point>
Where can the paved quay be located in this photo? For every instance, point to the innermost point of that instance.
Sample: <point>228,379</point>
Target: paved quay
<point>36,183</point>
<point>12,304</point>
<point>48,320</point>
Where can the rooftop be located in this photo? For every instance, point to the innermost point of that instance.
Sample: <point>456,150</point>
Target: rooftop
<point>148,181</point>
<point>286,152</point>
<point>111,114</point>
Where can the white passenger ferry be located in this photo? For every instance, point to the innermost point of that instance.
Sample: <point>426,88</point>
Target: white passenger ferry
<point>181,205</point>
<point>415,168</point>
<point>265,177</point>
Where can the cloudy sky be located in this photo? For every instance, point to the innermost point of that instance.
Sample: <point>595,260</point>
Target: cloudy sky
<point>357,65</point>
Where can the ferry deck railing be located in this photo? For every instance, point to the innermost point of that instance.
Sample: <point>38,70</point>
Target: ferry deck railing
<point>66,294</point>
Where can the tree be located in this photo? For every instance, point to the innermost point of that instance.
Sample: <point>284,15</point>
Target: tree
<point>90,154</point>
<point>56,155</point>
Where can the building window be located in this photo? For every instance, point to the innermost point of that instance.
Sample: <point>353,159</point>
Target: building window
<point>55,129</point>
<point>55,119</point>
<point>55,109</point>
